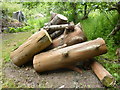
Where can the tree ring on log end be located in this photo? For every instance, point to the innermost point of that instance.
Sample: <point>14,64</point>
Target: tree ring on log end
<point>48,35</point>
<point>108,81</point>
<point>62,17</point>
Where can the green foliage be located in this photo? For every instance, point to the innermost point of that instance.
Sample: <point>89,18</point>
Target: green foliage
<point>30,5</point>
<point>100,24</point>
<point>8,8</point>
<point>20,29</point>
<point>11,42</point>
<point>38,23</point>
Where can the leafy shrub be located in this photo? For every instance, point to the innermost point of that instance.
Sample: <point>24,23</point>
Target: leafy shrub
<point>9,7</point>
<point>20,29</point>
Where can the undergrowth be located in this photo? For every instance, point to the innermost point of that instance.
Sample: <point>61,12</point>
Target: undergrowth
<point>100,25</point>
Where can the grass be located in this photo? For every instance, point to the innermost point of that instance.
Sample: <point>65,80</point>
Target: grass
<point>9,43</point>
<point>12,41</point>
<point>98,25</point>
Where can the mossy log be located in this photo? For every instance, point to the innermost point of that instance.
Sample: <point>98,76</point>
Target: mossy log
<point>68,56</point>
<point>37,42</point>
<point>104,76</point>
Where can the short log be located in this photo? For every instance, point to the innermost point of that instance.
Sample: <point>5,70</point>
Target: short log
<point>37,42</point>
<point>58,19</point>
<point>104,76</point>
<point>68,56</point>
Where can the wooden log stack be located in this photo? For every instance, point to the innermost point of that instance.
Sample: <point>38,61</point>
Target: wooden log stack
<point>61,44</point>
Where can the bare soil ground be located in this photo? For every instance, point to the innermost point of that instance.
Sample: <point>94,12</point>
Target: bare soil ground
<point>26,76</point>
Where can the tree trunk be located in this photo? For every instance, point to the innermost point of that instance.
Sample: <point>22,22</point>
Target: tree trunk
<point>104,76</point>
<point>68,56</point>
<point>58,19</point>
<point>32,46</point>
<point>74,11</point>
<point>53,28</point>
<point>116,29</point>
<point>118,54</point>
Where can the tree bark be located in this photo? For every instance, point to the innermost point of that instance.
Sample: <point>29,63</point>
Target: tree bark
<point>75,37</point>
<point>32,46</point>
<point>104,76</point>
<point>68,56</point>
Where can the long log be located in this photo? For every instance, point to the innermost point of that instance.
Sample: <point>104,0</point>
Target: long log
<point>104,76</point>
<point>58,19</point>
<point>53,28</point>
<point>59,32</point>
<point>32,46</point>
<point>68,56</point>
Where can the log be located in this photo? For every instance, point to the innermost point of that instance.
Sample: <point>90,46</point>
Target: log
<point>32,46</point>
<point>52,15</point>
<point>104,76</point>
<point>59,32</point>
<point>77,36</point>
<point>56,34</point>
<point>68,56</point>
<point>58,19</point>
<point>53,28</point>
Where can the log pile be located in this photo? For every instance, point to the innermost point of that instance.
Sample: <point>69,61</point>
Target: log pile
<point>62,44</point>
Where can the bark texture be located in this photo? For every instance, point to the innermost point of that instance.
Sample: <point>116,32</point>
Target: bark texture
<point>68,56</point>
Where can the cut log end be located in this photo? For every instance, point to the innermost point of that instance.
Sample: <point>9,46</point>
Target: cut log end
<point>62,17</point>
<point>108,81</point>
<point>48,36</point>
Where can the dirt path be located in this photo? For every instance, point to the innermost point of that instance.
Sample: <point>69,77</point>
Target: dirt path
<point>26,76</point>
